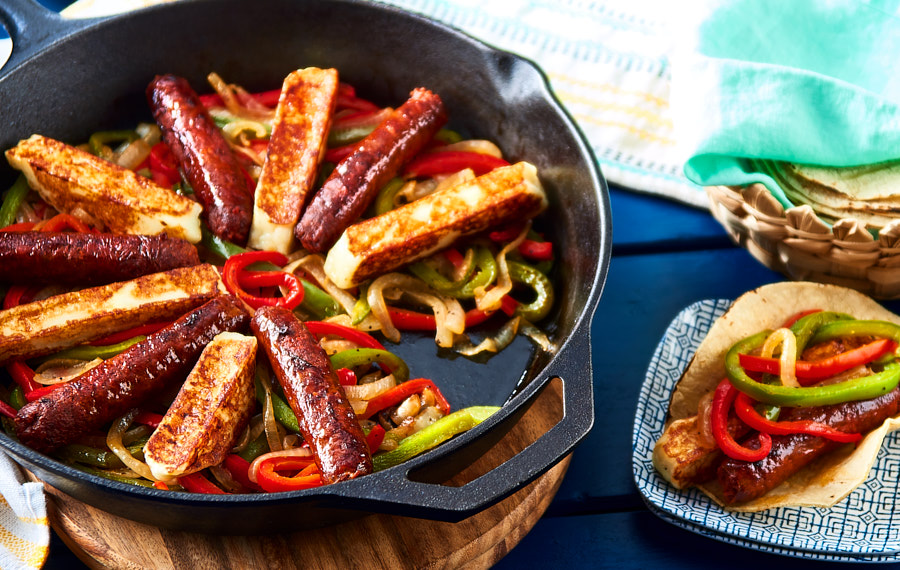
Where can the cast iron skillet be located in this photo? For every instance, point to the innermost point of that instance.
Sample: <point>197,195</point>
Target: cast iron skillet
<point>67,78</point>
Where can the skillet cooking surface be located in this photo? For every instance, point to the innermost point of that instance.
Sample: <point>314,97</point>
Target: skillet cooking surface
<point>82,77</point>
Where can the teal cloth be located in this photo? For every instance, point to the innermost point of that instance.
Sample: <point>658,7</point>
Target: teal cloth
<point>805,81</point>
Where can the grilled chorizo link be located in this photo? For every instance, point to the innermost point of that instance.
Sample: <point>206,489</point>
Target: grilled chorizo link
<point>204,155</point>
<point>327,421</point>
<point>744,481</point>
<point>355,181</point>
<point>126,380</point>
<point>73,258</point>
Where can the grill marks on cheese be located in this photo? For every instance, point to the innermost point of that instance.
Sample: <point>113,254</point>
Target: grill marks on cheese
<point>418,229</point>
<point>70,319</point>
<point>212,407</point>
<point>101,193</point>
<point>295,151</point>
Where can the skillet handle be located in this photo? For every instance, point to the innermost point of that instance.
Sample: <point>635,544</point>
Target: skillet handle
<point>32,28</point>
<point>442,502</point>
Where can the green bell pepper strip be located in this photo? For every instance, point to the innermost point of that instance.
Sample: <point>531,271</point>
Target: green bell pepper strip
<point>465,288</point>
<point>806,327</point>
<point>315,301</point>
<point>361,308</point>
<point>90,352</point>
<point>838,329</point>
<point>437,433</point>
<point>255,448</point>
<point>448,136</point>
<point>543,288</point>
<point>360,356</point>
<point>98,140</point>
<point>384,201</point>
<point>93,456</point>
<point>112,476</point>
<point>283,412</point>
<point>12,201</point>
<point>864,388</point>
<point>17,398</point>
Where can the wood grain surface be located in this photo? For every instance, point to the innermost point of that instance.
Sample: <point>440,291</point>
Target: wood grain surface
<point>102,540</point>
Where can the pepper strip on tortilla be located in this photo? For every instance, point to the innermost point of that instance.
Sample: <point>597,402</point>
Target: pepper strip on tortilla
<point>827,480</point>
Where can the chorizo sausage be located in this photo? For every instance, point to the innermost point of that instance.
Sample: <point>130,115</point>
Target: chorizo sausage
<point>204,155</point>
<point>744,481</point>
<point>327,421</point>
<point>72,258</point>
<point>127,379</point>
<point>355,181</point>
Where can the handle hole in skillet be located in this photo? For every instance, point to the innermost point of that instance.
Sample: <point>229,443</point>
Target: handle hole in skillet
<point>545,412</point>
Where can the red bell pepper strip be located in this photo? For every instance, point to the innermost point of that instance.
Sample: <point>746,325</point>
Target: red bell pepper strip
<point>19,295</point>
<point>239,469</point>
<point>455,257</point>
<point>41,391</point>
<point>235,278</point>
<point>8,410</point>
<point>826,367</point>
<point>351,334</point>
<point>20,227</point>
<point>374,437</point>
<point>450,161</point>
<point>339,153</point>
<point>62,222</point>
<point>723,398</point>
<point>197,483</point>
<point>508,233</point>
<point>267,98</point>
<point>794,318</point>
<point>743,406</point>
<point>161,485</point>
<point>407,320</point>
<point>151,419</point>
<point>400,392</point>
<point>162,165</point>
<point>140,330</point>
<point>539,250</point>
<point>23,375</point>
<point>269,478</point>
<point>346,377</point>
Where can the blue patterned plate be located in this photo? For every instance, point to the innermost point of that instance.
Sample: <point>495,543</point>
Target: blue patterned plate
<point>864,527</point>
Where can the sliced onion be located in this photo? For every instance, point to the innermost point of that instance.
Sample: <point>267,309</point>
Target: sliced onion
<point>427,416</point>
<point>489,300</point>
<point>537,336</point>
<point>253,471</point>
<point>229,95</point>
<point>224,478</point>
<point>132,154</point>
<point>408,408</point>
<point>60,370</point>
<point>150,132</point>
<point>788,359</point>
<point>480,146</point>
<point>375,297</point>
<point>451,180</point>
<point>359,406</point>
<point>233,129</point>
<point>370,390</point>
<point>494,344</point>
<point>704,420</point>
<point>114,442</point>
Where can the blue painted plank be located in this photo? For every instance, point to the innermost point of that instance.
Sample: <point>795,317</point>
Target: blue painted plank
<point>641,221</point>
<point>637,539</point>
<point>642,295</point>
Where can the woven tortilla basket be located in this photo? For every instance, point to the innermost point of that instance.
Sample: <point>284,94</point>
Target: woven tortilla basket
<point>799,244</point>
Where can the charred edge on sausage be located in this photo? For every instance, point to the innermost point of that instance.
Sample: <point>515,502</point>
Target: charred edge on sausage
<point>72,258</point>
<point>204,156</point>
<point>355,181</point>
<point>327,421</point>
<point>126,380</point>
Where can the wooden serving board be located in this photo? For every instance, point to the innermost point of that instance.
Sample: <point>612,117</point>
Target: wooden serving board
<point>102,540</point>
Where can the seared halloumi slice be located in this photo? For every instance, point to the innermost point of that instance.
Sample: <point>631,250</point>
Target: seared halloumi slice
<point>66,320</point>
<point>295,151</point>
<point>101,193</point>
<point>418,229</point>
<point>209,413</point>
<point>683,457</point>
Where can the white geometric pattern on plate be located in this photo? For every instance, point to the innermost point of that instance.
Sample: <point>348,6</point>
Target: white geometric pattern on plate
<point>864,527</point>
